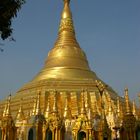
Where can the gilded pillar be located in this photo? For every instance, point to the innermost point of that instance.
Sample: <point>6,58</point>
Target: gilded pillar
<point>44,132</point>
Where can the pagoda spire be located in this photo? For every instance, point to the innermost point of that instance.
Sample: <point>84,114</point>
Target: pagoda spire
<point>87,105</point>
<point>29,112</point>
<point>66,18</point>
<point>95,111</point>
<point>134,109</point>
<point>127,104</point>
<point>55,108</point>
<point>119,108</point>
<point>38,109</point>
<point>47,111</point>
<point>34,106</point>
<point>67,111</point>
<point>5,108</point>
<point>66,33</point>
<point>83,110</point>
<point>8,110</point>
<point>89,113</point>
<point>20,114</point>
<point>110,106</point>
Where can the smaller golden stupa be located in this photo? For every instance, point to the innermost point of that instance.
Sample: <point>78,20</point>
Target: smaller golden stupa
<point>66,100</point>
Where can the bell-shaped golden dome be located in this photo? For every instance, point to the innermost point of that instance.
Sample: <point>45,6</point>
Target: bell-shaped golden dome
<point>66,60</point>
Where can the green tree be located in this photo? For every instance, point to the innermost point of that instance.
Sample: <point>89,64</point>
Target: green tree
<point>8,10</point>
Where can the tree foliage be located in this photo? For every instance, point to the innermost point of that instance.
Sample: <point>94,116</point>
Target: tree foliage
<point>8,10</point>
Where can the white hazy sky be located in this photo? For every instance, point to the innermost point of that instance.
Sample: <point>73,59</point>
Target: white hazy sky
<point>107,30</point>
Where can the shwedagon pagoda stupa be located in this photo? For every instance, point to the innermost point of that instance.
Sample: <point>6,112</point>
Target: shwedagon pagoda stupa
<point>66,100</point>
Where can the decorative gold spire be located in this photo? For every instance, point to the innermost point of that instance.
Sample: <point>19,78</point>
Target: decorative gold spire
<point>87,105</point>
<point>29,112</point>
<point>8,110</point>
<point>34,106</point>
<point>83,110</point>
<point>66,34</point>
<point>127,104</point>
<point>55,108</point>
<point>66,23</point>
<point>95,112</point>
<point>134,109</point>
<point>89,114</point>
<point>67,111</point>
<point>5,108</point>
<point>48,111</point>
<point>38,109</point>
<point>109,106</point>
<point>119,108</point>
<point>20,114</point>
<point>86,96</point>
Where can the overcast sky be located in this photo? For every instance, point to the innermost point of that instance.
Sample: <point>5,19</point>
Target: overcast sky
<point>107,30</point>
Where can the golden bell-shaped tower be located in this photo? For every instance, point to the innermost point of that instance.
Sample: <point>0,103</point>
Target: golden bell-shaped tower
<point>66,61</point>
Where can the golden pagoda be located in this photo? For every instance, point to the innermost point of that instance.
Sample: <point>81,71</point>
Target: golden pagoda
<point>66,100</point>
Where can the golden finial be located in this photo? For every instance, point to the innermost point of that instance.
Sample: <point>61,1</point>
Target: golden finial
<point>20,114</point>
<point>66,23</point>
<point>128,109</point>
<point>66,11</point>
<point>38,109</point>
<point>8,110</point>
<point>47,112</point>
<point>67,111</point>
<point>66,1</point>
